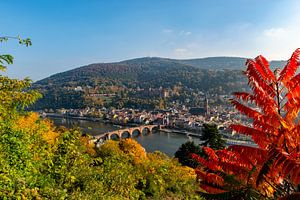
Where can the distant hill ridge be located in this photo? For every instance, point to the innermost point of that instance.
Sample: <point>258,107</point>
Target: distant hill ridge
<point>209,63</point>
<point>126,81</point>
<point>214,63</point>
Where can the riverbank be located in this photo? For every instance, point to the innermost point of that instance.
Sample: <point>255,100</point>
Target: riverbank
<point>57,115</point>
<point>182,132</point>
<point>112,126</point>
<point>92,119</point>
<point>167,143</point>
<point>198,135</point>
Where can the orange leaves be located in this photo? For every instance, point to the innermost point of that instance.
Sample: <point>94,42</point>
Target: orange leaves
<point>211,153</point>
<point>239,162</point>
<point>275,128</point>
<point>253,132</point>
<point>219,163</point>
<point>291,67</point>
<point>254,156</point>
<point>213,178</point>
<point>210,178</point>
<point>264,64</point>
<point>209,164</point>
<point>278,101</point>
<point>287,164</point>
<point>212,189</point>
<point>246,110</point>
<point>259,82</point>
<point>293,82</point>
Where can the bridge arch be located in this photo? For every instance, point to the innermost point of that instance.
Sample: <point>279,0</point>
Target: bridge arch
<point>155,128</point>
<point>126,134</point>
<point>145,130</point>
<point>136,132</point>
<point>114,136</point>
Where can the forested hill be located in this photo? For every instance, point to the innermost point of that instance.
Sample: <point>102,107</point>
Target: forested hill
<point>148,66</point>
<point>218,75</point>
<point>150,73</point>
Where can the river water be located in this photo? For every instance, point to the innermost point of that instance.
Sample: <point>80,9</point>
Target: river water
<point>167,143</point>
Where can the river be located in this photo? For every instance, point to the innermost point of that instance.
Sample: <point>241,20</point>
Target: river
<point>167,143</point>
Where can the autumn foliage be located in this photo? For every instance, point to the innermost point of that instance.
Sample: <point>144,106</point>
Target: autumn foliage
<point>41,161</point>
<point>272,169</point>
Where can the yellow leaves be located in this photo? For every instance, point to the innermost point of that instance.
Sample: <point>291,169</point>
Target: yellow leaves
<point>90,146</point>
<point>187,172</point>
<point>72,179</point>
<point>133,148</point>
<point>27,122</point>
<point>127,147</point>
<point>36,157</point>
<point>291,115</point>
<point>32,193</point>
<point>151,170</point>
<point>110,147</point>
<point>285,126</point>
<point>32,124</point>
<point>50,136</point>
<point>267,190</point>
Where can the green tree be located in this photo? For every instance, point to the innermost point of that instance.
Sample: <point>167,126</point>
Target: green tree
<point>36,161</point>
<point>16,158</point>
<point>14,94</point>
<point>40,161</point>
<point>183,154</point>
<point>211,137</point>
<point>130,172</point>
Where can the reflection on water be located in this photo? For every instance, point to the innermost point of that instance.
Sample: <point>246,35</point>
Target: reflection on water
<point>161,141</point>
<point>164,142</point>
<point>90,127</point>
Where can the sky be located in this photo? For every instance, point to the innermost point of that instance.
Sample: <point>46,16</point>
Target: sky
<point>71,33</point>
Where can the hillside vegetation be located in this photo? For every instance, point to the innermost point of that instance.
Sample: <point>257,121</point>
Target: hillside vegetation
<point>130,83</point>
<point>41,161</point>
<point>133,78</point>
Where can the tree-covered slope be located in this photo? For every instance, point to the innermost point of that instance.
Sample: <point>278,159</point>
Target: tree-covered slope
<point>148,68</point>
<point>217,63</point>
<point>216,75</point>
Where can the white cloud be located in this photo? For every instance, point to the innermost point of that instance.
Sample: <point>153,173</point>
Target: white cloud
<point>167,31</point>
<point>279,43</point>
<point>180,50</point>
<point>280,39</point>
<point>179,33</point>
<point>182,53</point>
<point>184,33</point>
<point>273,37</point>
<point>275,32</point>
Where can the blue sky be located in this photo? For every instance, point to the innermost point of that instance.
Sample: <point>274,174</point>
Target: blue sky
<point>71,33</point>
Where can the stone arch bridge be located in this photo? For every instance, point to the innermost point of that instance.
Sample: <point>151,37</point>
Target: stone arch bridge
<point>128,132</point>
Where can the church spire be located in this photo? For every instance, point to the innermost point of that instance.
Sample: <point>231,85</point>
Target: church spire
<point>206,105</point>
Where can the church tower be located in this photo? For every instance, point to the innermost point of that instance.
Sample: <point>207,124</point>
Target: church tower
<point>206,105</point>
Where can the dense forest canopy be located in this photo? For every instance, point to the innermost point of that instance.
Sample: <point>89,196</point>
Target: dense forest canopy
<point>130,82</point>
